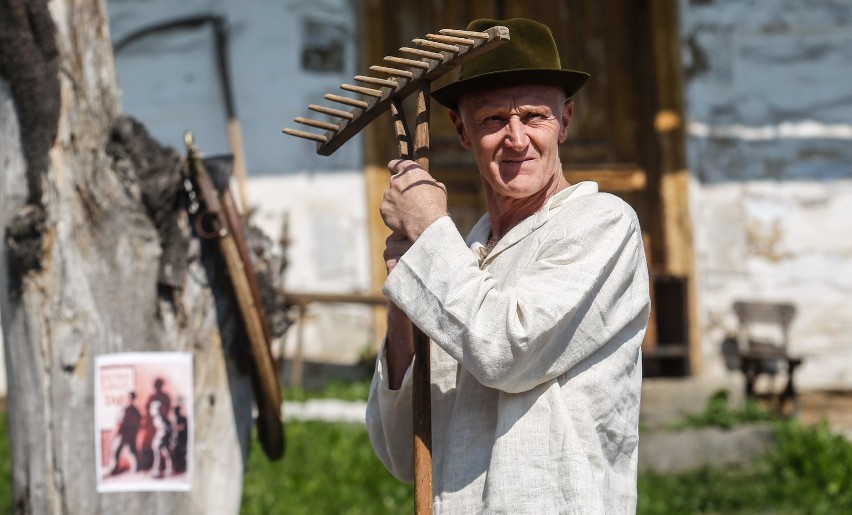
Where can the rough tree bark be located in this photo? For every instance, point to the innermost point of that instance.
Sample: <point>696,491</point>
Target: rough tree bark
<point>97,258</point>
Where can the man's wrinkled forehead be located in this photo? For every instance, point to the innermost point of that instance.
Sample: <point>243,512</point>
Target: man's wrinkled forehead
<point>513,96</point>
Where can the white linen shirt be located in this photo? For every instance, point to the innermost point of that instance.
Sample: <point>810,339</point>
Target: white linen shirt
<point>535,359</point>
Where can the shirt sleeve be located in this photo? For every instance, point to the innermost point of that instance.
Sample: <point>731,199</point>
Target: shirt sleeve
<point>390,421</point>
<point>584,281</point>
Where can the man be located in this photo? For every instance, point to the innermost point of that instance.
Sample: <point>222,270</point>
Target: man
<point>163,402</point>
<point>536,321</point>
<point>179,453</point>
<point>161,441</point>
<point>126,433</point>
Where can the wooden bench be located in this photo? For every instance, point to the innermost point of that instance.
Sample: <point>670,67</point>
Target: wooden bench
<point>767,353</point>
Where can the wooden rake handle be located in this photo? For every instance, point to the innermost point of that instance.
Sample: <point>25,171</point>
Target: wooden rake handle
<point>421,374</point>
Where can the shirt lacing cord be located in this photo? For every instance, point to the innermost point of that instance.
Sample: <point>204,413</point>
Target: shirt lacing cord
<point>480,251</point>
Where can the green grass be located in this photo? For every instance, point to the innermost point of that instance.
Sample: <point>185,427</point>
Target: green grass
<point>5,466</point>
<point>343,390</point>
<point>328,468</point>
<point>808,472</point>
<point>703,491</point>
<point>331,468</point>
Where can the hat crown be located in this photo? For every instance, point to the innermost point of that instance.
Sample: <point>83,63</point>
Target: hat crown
<point>529,57</point>
<point>531,46</point>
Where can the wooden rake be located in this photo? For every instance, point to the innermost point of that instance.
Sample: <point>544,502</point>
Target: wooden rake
<point>428,58</point>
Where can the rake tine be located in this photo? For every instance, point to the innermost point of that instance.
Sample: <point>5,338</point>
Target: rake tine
<point>306,135</point>
<point>394,72</point>
<point>316,123</point>
<point>463,33</point>
<point>407,62</point>
<point>378,82</point>
<point>346,101</point>
<point>438,46</point>
<point>451,40</point>
<point>332,112</point>
<point>422,53</point>
<point>364,91</point>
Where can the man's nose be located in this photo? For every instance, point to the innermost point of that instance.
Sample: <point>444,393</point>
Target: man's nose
<point>516,135</point>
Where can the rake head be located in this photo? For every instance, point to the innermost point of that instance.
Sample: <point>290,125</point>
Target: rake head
<point>429,58</point>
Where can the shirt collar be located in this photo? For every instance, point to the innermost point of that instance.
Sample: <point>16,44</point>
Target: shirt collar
<point>478,236</point>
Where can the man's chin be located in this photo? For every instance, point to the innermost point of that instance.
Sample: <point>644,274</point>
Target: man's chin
<point>520,189</point>
<point>515,171</point>
<point>515,166</point>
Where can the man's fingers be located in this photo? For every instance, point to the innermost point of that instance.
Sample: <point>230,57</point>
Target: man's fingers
<point>399,167</point>
<point>393,166</point>
<point>407,208</point>
<point>395,246</point>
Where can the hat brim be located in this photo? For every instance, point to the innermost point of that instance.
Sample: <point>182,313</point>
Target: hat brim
<point>569,80</point>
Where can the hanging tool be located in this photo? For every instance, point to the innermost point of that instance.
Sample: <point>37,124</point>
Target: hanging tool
<point>215,217</point>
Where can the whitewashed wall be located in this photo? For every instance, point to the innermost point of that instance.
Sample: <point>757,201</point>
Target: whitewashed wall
<point>169,82</point>
<point>770,147</point>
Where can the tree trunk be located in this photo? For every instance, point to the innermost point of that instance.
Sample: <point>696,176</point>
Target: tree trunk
<point>98,258</point>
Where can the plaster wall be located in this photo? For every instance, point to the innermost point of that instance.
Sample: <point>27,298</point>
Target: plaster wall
<point>283,55</point>
<point>770,149</point>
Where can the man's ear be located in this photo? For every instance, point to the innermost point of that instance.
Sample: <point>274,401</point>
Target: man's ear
<point>567,113</point>
<point>456,118</point>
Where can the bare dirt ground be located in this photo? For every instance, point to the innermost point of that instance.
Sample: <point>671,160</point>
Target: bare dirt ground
<point>834,407</point>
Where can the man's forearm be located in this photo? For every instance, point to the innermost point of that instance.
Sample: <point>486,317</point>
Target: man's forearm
<point>399,348</point>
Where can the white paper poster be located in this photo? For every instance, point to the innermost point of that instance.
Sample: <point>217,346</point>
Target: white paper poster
<point>143,421</point>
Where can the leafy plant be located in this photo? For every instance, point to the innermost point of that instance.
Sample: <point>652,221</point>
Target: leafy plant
<point>718,413</point>
<point>813,465</point>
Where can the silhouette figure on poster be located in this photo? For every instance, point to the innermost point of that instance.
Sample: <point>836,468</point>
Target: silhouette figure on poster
<point>149,450</point>
<point>179,453</point>
<point>161,443</point>
<point>126,436</point>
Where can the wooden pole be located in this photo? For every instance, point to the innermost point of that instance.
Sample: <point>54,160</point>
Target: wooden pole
<point>235,137</point>
<point>421,375</point>
<point>422,398</point>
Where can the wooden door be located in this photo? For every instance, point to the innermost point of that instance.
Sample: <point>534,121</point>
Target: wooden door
<point>626,133</point>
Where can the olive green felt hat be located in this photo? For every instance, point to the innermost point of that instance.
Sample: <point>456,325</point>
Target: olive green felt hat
<point>529,57</point>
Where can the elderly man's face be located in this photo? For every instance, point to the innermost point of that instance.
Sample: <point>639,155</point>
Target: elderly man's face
<point>514,133</point>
